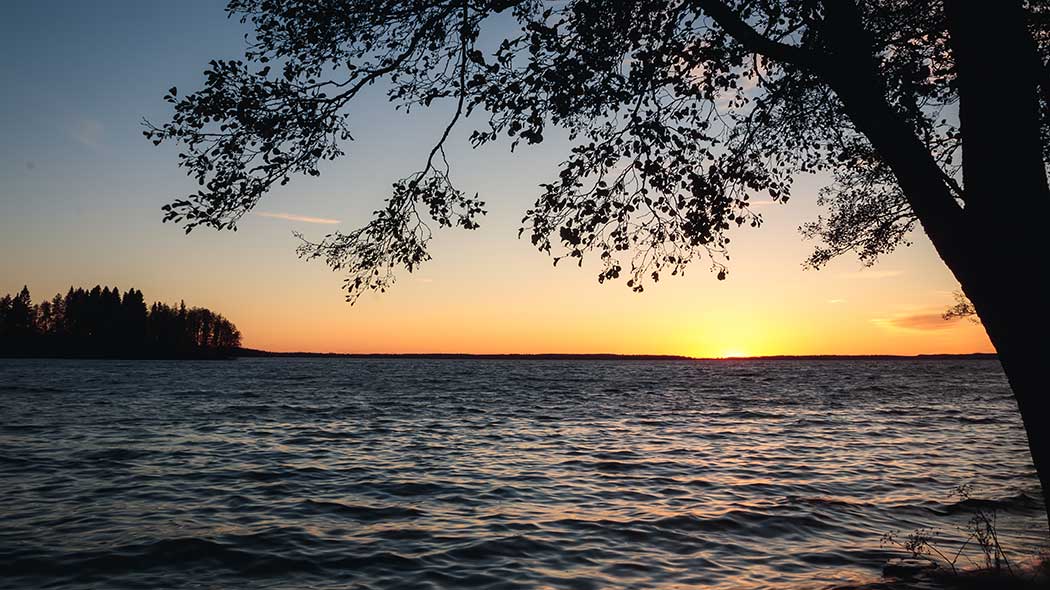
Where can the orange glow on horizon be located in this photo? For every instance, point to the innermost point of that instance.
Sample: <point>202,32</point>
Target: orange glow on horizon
<point>734,353</point>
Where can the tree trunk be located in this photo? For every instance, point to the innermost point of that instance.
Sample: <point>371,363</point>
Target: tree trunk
<point>1019,332</point>
<point>1028,382</point>
<point>1007,199</point>
<point>992,235</point>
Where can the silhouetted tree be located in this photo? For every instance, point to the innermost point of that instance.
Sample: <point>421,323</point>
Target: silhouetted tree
<point>681,112</point>
<point>21,317</point>
<point>18,321</point>
<point>5,309</point>
<point>133,319</point>
<point>45,318</point>
<point>961,309</point>
<point>101,323</point>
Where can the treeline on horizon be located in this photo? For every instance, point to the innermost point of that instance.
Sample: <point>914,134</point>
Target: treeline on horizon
<point>102,323</point>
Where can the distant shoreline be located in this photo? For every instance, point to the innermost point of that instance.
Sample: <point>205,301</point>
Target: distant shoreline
<point>254,353</point>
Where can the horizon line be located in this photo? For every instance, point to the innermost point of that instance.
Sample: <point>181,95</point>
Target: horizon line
<point>254,352</point>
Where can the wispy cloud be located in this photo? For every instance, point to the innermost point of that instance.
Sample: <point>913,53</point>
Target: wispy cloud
<point>762,203</point>
<point>300,218</point>
<point>872,274</point>
<point>836,301</point>
<point>88,132</point>
<point>919,322</point>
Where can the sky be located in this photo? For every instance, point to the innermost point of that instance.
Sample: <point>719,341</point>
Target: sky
<point>81,192</point>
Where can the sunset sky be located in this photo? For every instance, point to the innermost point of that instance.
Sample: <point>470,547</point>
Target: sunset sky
<point>81,191</point>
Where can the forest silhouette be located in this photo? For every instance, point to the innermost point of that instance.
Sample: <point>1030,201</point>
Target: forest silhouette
<point>102,323</point>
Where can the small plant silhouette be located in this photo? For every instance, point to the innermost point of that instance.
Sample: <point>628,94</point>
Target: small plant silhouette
<point>980,531</point>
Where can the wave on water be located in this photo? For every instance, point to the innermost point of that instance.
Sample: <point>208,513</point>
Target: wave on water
<point>407,473</point>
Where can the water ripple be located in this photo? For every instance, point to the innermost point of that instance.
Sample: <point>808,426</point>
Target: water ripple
<point>379,474</point>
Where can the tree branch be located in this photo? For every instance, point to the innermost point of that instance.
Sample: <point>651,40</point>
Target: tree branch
<point>754,41</point>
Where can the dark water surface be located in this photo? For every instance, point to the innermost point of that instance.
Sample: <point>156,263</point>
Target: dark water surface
<point>346,473</point>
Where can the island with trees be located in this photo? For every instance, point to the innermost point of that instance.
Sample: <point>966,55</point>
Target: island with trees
<point>102,323</point>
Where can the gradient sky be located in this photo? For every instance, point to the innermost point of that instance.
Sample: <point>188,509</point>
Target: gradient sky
<point>81,191</point>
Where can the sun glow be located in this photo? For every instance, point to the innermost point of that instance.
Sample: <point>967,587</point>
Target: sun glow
<point>734,353</point>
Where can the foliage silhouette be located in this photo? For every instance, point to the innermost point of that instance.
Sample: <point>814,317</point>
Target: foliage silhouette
<point>681,113</point>
<point>962,308</point>
<point>101,323</point>
<point>980,533</point>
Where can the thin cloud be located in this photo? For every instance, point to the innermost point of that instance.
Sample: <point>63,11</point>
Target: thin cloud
<point>836,301</point>
<point>919,322</point>
<point>300,218</point>
<point>872,274</point>
<point>762,203</point>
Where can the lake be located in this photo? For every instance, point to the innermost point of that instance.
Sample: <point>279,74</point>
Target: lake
<point>400,473</point>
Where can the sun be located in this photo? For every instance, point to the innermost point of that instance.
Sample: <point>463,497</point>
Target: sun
<point>734,353</point>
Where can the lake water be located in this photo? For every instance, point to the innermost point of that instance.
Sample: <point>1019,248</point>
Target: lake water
<point>416,474</point>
